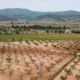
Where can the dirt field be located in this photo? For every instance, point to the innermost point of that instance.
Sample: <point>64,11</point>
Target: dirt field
<point>39,60</point>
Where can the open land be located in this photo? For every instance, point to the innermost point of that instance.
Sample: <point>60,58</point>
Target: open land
<point>40,57</point>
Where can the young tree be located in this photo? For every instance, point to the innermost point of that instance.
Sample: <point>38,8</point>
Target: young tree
<point>72,66</point>
<point>9,59</point>
<point>27,63</point>
<point>68,71</point>
<point>20,76</point>
<point>77,76</point>
<point>63,77</point>
<point>52,64</point>
<point>48,68</point>
<point>28,71</point>
<point>50,77</point>
<point>8,65</point>
<point>2,70</point>
<point>37,66</point>
<point>34,78</point>
<point>33,60</point>
<point>17,61</point>
<point>11,72</point>
<point>57,61</point>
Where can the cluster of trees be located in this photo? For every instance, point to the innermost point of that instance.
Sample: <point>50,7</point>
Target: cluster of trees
<point>76,31</point>
<point>47,29</point>
<point>40,27</point>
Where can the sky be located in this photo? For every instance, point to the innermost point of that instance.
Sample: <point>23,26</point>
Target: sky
<point>42,5</point>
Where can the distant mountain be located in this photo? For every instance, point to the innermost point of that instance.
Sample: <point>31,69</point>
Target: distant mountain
<point>17,13</point>
<point>69,12</point>
<point>59,17</point>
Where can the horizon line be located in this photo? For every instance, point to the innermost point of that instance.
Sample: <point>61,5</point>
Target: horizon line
<point>39,11</point>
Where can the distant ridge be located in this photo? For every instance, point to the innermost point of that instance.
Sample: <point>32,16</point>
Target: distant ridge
<point>18,13</point>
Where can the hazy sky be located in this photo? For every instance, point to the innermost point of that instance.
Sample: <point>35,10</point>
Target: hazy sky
<point>42,5</point>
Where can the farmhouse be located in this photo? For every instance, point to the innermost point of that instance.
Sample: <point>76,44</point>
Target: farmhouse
<point>11,30</point>
<point>67,31</point>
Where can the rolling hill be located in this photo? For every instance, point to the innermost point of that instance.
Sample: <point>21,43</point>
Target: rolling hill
<point>17,13</point>
<point>59,17</point>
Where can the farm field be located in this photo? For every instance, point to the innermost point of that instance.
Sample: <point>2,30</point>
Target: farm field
<point>16,37</point>
<point>40,60</point>
<point>39,40</point>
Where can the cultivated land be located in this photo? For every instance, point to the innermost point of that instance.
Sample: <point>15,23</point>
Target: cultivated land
<point>17,37</point>
<point>40,53</point>
<point>21,60</point>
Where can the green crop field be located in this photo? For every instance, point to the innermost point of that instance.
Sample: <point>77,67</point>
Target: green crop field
<point>38,36</point>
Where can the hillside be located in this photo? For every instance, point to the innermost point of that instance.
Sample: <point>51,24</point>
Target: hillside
<point>5,18</point>
<point>17,13</point>
<point>59,17</point>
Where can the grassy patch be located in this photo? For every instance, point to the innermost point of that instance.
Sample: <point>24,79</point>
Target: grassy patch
<point>38,36</point>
